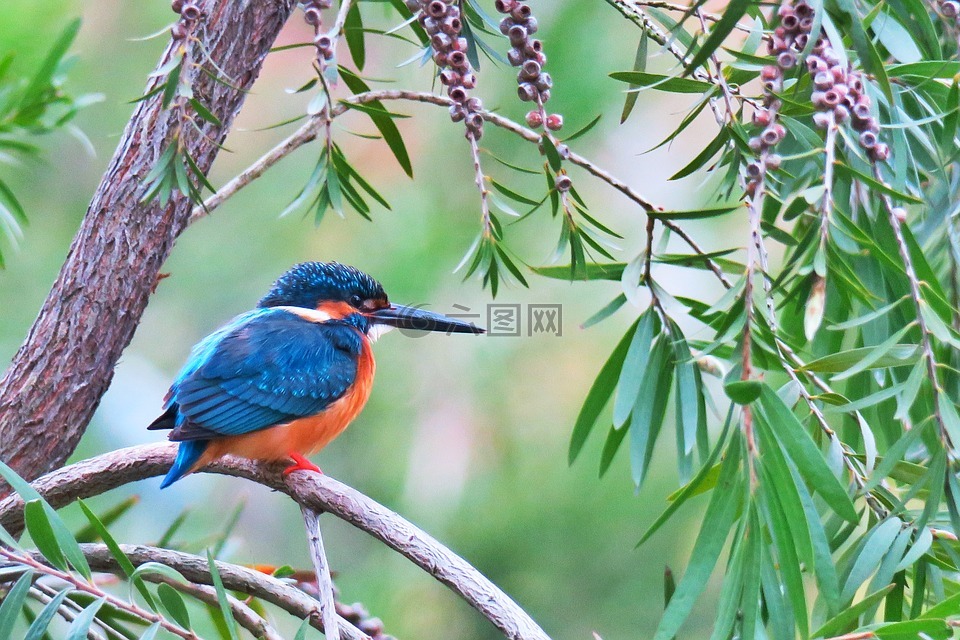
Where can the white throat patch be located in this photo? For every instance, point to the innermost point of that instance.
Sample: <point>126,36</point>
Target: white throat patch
<point>377,330</point>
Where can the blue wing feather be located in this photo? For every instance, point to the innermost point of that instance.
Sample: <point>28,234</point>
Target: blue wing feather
<point>267,367</point>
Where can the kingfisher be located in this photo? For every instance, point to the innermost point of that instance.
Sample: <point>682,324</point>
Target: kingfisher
<point>283,380</point>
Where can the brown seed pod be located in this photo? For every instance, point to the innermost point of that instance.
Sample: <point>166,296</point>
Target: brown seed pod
<point>563,182</point>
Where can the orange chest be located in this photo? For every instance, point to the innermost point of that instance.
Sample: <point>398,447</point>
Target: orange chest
<point>306,435</point>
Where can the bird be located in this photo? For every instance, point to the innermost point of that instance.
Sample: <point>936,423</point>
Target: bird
<point>281,381</point>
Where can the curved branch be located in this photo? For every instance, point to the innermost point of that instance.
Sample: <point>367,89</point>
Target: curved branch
<point>315,491</point>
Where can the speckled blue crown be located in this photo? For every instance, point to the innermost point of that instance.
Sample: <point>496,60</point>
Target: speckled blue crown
<point>307,283</point>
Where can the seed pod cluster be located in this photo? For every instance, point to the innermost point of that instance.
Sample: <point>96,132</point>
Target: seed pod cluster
<point>189,15</point>
<point>838,90</point>
<point>357,615</point>
<point>441,19</point>
<point>950,10</point>
<point>322,41</point>
<point>526,53</point>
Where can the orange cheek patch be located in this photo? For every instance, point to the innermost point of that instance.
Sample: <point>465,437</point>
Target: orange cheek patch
<point>336,310</point>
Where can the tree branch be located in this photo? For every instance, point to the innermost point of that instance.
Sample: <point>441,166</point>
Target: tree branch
<point>66,363</point>
<point>316,491</point>
<point>328,611</point>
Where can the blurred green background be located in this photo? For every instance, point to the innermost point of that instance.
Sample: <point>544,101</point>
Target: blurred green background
<point>465,436</point>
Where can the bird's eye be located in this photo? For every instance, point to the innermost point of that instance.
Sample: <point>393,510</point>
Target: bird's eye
<point>356,301</point>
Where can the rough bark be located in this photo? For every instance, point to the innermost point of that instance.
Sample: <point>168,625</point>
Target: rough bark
<point>56,380</point>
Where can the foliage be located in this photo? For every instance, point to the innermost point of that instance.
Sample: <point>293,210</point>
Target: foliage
<point>31,107</point>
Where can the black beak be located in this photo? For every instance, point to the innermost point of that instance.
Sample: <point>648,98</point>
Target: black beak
<point>402,317</point>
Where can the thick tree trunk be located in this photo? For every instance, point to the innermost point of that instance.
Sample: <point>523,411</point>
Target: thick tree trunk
<point>61,371</point>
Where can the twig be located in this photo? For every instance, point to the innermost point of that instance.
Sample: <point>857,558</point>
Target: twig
<point>337,28</point>
<point>86,587</point>
<point>328,610</point>
<point>319,492</point>
<point>244,615</point>
<point>926,344</point>
<point>481,184</point>
<point>309,131</point>
<point>68,610</point>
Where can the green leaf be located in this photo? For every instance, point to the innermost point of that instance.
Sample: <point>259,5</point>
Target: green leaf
<point>610,447</point>
<point>599,395</point>
<point>895,356</point>
<point>151,632</point>
<point>743,391</point>
<point>222,597</point>
<point>850,173</point>
<point>695,486</point>
<point>874,355</point>
<point>650,407</point>
<point>590,271</point>
<point>875,546</point>
<point>97,525</point>
<point>734,10</point>
<point>660,82</point>
<point>385,124</point>
<point>696,214</point>
<point>848,617</point>
<point>634,366</point>
<point>608,310</point>
<point>805,454</point>
<point>717,522</point>
<point>90,533</point>
<point>353,33</point>
<point>12,604</point>
<point>639,65</point>
<point>38,525</point>
<point>44,75</point>
<point>912,629</point>
<point>81,624</point>
<point>173,603</point>
<point>582,131</point>
<point>39,626</point>
<point>205,113</point>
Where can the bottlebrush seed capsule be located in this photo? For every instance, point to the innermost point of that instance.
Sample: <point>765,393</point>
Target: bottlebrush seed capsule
<point>754,170</point>
<point>412,5</point>
<point>176,5</point>
<point>436,9</point>
<point>457,93</point>
<point>880,152</point>
<point>440,41</point>
<point>785,10</point>
<point>861,110</point>
<point>899,213</point>
<point>178,31</point>
<point>532,25</point>
<point>823,80</point>
<point>191,11</point>
<point>868,139</point>
<point>563,182</point>
<point>841,114</point>
<point>545,96</point>
<point>515,57</point>
<point>769,72</point>
<point>518,35</point>
<point>950,9</point>
<point>475,120</point>
<point>506,24</point>
<point>448,77</point>
<point>473,104</point>
<point>534,119</point>
<point>554,122</point>
<point>458,60</point>
<point>787,60</point>
<point>831,98</point>
<point>323,42</point>
<point>755,144</point>
<point>451,26</point>
<point>544,82</point>
<point>505,6</point>
<point>774,161</point>
<point>456,113</point>
<point>310,14</point>
<point>469,81</point>
<point>761,117</point>
<point>790,22</point>
<point>526,92</point>
<point>533,47</point>
<point>521,12</point>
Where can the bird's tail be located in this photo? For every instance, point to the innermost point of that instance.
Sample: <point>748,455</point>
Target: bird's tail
<point>187,456</point>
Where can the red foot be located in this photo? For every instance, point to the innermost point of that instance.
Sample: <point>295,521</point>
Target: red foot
<point>302,465</point>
